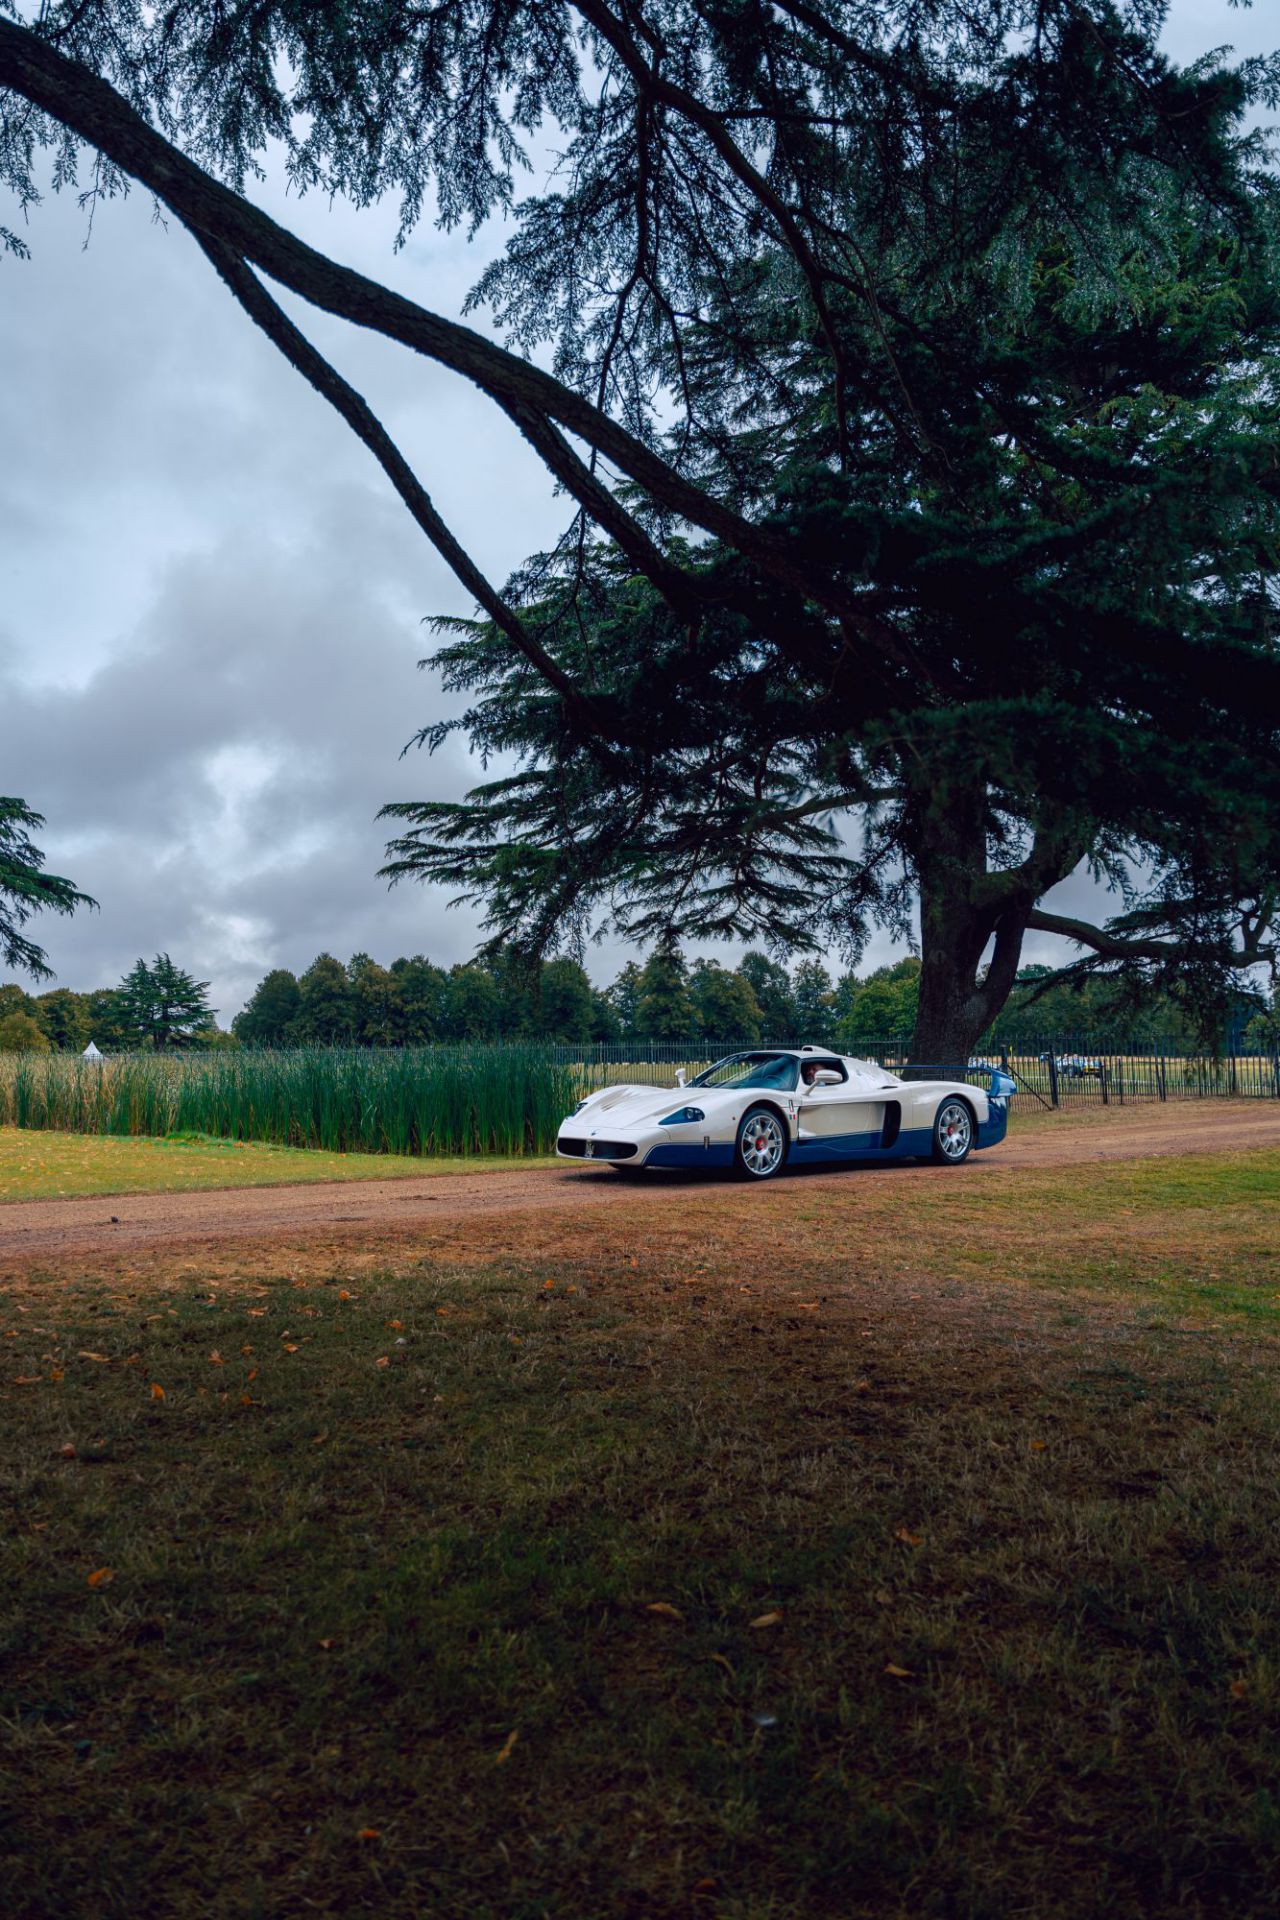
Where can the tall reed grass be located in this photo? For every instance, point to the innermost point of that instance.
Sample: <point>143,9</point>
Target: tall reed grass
<point>445,1100</point>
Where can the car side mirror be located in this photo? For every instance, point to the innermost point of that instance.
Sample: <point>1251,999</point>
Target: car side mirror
<point>825,1077</point>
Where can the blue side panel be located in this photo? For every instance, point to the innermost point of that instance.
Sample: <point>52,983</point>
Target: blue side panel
<point>840,1146</point>
<point>996,1126</point>
<point>862,1146</point>
<point>674,1155</point>
<point>915,1145</point>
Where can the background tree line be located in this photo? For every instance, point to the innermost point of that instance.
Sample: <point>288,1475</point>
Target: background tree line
<point>414,1002</point>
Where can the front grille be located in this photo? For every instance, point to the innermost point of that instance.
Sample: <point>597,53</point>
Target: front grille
<point>600,1149</point>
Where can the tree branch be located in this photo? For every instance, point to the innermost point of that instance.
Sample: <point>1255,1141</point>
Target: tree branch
<point>92,110</point>
<point>1114,946</point>
<point>362,420</point>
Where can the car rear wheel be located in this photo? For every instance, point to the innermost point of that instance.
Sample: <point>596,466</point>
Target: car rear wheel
<point>953,1133</point>
<point>761,1151</point>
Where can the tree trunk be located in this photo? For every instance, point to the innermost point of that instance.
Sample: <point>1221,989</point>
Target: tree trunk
<point>961,907</point>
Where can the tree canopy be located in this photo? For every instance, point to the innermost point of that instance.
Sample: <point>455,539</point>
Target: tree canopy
<point>26,889</point>
<point>911,372</point>
<point>161,1006</point>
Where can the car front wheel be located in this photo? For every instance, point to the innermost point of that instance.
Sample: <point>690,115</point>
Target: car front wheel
<point>762,1145</point>
<point>953,1133</point>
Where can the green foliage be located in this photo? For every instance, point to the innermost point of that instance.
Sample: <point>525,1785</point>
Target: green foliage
<point>624,997</point>
<point>162,1007</point>
<point>447,1100</point>
<point>724,1006</point>
<point>326,1013</point>
<point>64,1020</point>
<point>26,889</point>
<point>566,1004</point>
<point>19,1033</point>
<point>813,1001</point>
<point>881,1007</point>
<point>267,1020</point>
<point>664,1005</point>
<point>771,985</point>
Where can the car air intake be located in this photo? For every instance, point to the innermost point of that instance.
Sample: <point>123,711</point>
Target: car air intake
<point>599,1149</point>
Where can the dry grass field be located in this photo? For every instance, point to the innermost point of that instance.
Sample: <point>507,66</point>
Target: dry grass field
<point>866,1546</point>
<point>39,1165</point>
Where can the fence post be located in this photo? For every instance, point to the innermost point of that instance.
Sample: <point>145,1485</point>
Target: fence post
<point>1120,1078</point>
<point>1053,1077</point>
<point>1234,1083</point>
<point>1160,1079</point>
<point>1102,1075</point>
<point>1275,1070</point>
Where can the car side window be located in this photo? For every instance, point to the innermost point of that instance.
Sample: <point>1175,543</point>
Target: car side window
<point>828,1066</point>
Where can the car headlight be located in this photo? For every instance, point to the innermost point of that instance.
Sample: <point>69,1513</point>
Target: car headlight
<point>685,1113</point>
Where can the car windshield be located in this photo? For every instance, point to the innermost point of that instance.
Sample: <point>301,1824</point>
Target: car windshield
<point>776,1070</point>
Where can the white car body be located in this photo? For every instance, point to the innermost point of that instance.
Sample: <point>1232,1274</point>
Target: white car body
<point>862,1113</point>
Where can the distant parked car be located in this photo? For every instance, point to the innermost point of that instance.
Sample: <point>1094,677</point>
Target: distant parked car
<point>756,1111</point>
<point>1073,1066</point>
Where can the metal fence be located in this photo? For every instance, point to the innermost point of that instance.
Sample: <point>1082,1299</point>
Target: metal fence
<point>1056,1073</point>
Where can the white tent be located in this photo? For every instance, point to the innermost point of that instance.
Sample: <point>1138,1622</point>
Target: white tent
<point>91,1053</point>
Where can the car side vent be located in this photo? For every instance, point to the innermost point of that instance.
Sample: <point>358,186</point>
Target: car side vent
<point>892,1123</point>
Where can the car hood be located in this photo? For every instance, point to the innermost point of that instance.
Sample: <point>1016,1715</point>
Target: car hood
<point>634,1106</point>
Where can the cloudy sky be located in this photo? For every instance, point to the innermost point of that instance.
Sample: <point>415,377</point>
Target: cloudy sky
<point>211,603</point>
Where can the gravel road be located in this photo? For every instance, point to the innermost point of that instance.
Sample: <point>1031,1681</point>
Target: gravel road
<point>36,1231</point>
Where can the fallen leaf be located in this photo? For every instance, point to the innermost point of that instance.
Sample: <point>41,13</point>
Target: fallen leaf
<point>900,1673</point>
<point>26,1379</point>
<point>443,1312</point>
<point>215,1359</point>
<point>705,1885</point>
<point>326,1644</point>
<point>384,1360</point>
<point>252,1374</point>
<point>571,1289</point>
<point>908,1539</point>
<point>246,1399</point>
<point>343,1294</point>
<point>507,1745</point>
<point>101,1577</point>
<point>1239,1688</point>
<point>665,1608</point>
<point>369,1833</point>
<point>85,1355</point>
<point>1038,1446</point>
<point>255,1313</point>
<point>290,1346</point>
<point>67,1452</point>
<point>547,1285</point>
<point>722,1662</point>
<point>319,1439</point>
<point>157,1391</point>
<point>766,1619</point>
<point>56,1373</point>
<point>395,1325</point>
<point>882,1597</point>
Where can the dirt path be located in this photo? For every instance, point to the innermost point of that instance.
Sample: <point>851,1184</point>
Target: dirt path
<point>37,1231</point>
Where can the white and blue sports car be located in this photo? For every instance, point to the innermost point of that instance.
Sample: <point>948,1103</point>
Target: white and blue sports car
<point>756,1111</point>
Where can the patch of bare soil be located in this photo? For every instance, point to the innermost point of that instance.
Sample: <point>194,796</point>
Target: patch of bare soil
<point>475,1209</point>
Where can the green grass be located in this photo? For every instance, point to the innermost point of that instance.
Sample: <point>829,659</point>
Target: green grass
<point>376,1526</point>
<point>56,1166</point>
